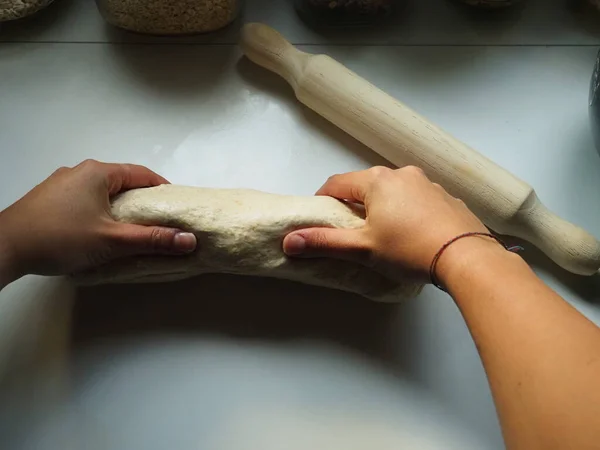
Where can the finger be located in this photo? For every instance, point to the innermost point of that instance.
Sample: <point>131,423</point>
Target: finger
<point>348,186</point>
<point>349,245</point>
<point>132,240</point>
<point>353,186</point>
<point>122,177</point>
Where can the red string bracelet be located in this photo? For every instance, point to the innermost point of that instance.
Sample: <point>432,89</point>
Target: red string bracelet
<point>438,255</point>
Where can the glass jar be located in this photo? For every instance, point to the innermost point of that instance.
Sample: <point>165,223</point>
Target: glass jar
<point>169,17</point>
<point>345,12</point>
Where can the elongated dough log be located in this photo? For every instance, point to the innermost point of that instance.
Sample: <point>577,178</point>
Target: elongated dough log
<point>241,232</point>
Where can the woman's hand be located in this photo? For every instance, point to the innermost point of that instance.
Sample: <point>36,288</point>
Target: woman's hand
<point>409,219</point>
<point>64,225</point>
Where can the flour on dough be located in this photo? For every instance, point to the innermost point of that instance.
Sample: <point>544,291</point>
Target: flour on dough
<point>241,232</point>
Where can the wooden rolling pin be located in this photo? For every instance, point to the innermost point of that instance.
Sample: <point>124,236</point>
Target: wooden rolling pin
<point>505,203</point>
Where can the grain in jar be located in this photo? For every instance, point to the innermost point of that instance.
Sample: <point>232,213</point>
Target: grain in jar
<point>17,9</point>
<point>170,17</point>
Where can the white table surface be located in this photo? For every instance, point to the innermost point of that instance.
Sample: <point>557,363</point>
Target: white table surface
<point>240,363</point>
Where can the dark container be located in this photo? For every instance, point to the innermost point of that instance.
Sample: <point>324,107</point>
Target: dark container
<point>334,13</point>
<point>490,4</point>
<point>594,103</point>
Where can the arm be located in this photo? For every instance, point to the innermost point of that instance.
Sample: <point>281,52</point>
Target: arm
<point>541,356</point>
<point>64,224</point>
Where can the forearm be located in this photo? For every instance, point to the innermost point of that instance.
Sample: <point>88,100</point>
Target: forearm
<point>542,357</point>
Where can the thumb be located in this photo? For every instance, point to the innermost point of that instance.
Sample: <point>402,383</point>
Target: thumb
<point>350,245</point>
<point>147,240</point>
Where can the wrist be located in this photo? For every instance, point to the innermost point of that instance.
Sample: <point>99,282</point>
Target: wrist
<point>465,255</point>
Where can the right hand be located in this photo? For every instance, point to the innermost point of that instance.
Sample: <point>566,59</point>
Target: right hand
<point>408,220</point>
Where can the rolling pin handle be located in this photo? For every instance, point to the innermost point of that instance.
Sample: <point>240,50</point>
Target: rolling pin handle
<point>570,246</point>
<point>269,49</point>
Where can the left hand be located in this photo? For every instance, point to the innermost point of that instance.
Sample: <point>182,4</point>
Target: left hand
<point>64,225</point>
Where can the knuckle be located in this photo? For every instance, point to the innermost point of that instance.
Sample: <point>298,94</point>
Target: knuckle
<point>61,170</point>
<point>89,164</point>
<point>414,170</point>
<point>379,171</point>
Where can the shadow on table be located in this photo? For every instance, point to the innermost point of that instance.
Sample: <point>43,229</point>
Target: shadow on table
<point>173,70</point>
<point>35,328</point>
<point>233,306</point>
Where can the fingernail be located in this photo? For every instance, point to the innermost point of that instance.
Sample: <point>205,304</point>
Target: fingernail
<point>295,245</point>
<point>184,242</point>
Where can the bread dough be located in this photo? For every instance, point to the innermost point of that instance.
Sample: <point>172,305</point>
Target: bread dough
<point>241,232</point>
